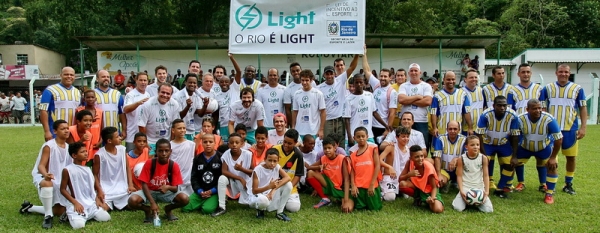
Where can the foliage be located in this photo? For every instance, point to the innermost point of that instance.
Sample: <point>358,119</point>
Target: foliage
<point>522,23</point>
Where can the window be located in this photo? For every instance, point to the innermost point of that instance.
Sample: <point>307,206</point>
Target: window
<point>22,59</point>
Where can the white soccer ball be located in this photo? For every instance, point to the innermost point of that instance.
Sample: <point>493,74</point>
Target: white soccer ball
<point>137,169</point>
<point>475,196</point>
<point>213,106</point>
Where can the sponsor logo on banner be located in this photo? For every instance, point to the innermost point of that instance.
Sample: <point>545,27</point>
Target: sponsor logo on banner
<point>19,72</point>
<point>113,61</point>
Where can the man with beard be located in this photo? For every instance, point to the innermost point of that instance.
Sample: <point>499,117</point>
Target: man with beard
<point>191,105</point>
<point>156,116</point>
<point>218,73</point>
<point>133,100</point>
<point>111,102</point>
<point>450,104</point>
<point>247,112</point>
<point>271,96</point>
<point>161,77</point>
<point>59,102</point>
<point>291,88</point>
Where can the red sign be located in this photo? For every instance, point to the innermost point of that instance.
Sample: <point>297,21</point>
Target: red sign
<point>14,72</point>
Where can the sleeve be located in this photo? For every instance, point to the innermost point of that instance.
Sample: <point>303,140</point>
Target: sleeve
<point>373,81</point>
<point>287,96</point>
<point>466,105</point>
<point>421,140</point>
<point>195,180</point>
<point>514,127</point>
<point>482,124</point>
<point>434,106</point>
<point>260,113</point>
<point>402,90</point>
<point>554,130</point>
<point>47,101</point>
<point>438,146</point>
<point>177,180</point>
<point>321,101</point>
<point>258,94</point>
<point>341,78</point>
<point>427,91</point>
<point>143,115</point>
<point>121,104</point>
<point>389,138</point>
<point>299,163</point>
<point>145,175</point>
<point>543,95</point>
<point>581,101</point>
<point>128,100</point>
<point>313,84</point>
<point>484,98</point>
<point>346,110</point>
<point>232,113</point>
<point>510,99</point>
<point>295,106</point>
<point>393,99</point>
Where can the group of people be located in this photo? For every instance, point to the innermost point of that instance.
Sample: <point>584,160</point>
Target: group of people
<point>220,138</point>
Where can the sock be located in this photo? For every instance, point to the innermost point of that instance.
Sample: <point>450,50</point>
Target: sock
<point>317,186</point>
<point>491,166</point>
<point>37,209</point>
<point>542,174</point>
<point>408,191</point>
<point>569,177</point>
<point>551,183</point>
<point>46,198</point>
<point>520,170</point>
<point>505,177</point>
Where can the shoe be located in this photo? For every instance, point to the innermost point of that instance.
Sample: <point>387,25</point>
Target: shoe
<point>511,188</point>
<point>25,206</point>
<point>549,199</point>
<point>283,217</point>
<point>323,202</point>
<point>569,189</point>
<point>63,218</point>
<point>218,212</point>
<point>520,187</point>
<point>542,188</point>
<point>47,224</point>
<point>260,214</point>
<point>500,193</point>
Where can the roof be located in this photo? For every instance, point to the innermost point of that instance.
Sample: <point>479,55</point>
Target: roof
<point>566,61</point>
<point>494,62</point>
<point>220,41</point>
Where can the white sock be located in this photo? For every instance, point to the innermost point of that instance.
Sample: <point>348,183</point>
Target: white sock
<point>222,190</point>
<point>36,209</point>
<point>46,198</point>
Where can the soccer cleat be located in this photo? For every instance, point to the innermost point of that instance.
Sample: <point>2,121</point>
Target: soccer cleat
<point>549,199</point>
<point>511,188</point>
<point>218,212</point>
<point>520,187</point>
<point>569,189</point>
<point>283,217</point>
<point>47,224</point>
<point>63,218</point>
<point>323,202</point>
<point>500,193</point>
<point>260,214</point>
<point>543,188</point>
<point>25,207</point>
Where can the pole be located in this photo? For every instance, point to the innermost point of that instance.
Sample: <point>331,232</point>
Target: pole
<point>259,71</point>
<point>137,48</point>
<point>321,74</point>
<point>440,58</point>
<point>381,54</point>
<point>81,62</point>
<point>196,49</point>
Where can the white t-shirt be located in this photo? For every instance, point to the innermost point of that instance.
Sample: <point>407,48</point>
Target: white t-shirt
<point>245,160</point>
<point>216,88</point>
<point>198,119</point>
<point>225,99</point>
<point>409,89</point>
<point>131,98</point>
<point>361,111</point>
<point>384,104</point>
<point>275,139</point>
<point>272,100</point>
<point>246,116</point>
<point>157,118</point>
<point>181,97</point>
<point>334,95</point>
<point>309,105</point>
<point>152,89</point>
<point>291,89</point>
<point>415,138</point>
<point>20,103</point>
<point>183,154</point>
<point>5,105</point>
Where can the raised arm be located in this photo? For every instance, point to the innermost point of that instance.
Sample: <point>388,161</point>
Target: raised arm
<point>238,71</point>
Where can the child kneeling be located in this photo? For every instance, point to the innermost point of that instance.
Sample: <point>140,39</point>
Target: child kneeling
<point>266,191</point>
<point>81,195</point>
<point>419,178</point>
<point>472,173</point>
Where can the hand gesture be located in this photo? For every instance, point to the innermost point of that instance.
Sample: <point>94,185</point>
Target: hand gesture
<point>154,208</point>
<point>320,134</point>
<point>205,101</point>
<point>431,200</point>
<point>244,184</point>
<point>273,183</point>
<point>47,136</point>
<point>580,133</point>
<point>270,196</point>
<point>49,177</point>
<point>393,173</point>
<point>131,189</point>
<point>188,102</point>
<point>346,206</point>
<point>164,189</point>
<point>86,137</point>
<point>463,195</point>
<point>238,167</point>
<point>414,173</point>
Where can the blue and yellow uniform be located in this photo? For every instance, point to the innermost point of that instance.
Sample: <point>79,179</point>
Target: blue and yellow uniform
<point>60,103</point>
<point>477,106</point>
<point>111,102</point>
<point>447,150</point>
<point>449,107</point>
<point>520,95</point>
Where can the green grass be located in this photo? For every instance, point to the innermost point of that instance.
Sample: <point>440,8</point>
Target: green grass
<point>523,212</point>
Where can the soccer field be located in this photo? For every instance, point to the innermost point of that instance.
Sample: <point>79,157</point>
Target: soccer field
<point>522,212</point>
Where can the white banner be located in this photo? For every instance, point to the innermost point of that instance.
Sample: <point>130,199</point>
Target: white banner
<point>297,27</point>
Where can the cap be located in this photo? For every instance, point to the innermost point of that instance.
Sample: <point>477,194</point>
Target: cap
<point>415,65</point>
<point>328,68</point>
<point>431,79</point>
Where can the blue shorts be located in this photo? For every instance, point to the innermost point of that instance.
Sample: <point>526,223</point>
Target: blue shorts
<point>501,151</point>
<point>544,154</point>
<point>570,145</point>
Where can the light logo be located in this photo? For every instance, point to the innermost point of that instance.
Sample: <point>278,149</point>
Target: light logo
<point>250,18</point>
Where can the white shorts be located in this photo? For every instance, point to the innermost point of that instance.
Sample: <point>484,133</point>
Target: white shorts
<point>57,197</point>
<point>116,201</point>
<point>294,198</point>
<point>389,185</point>
<point>235,187</point>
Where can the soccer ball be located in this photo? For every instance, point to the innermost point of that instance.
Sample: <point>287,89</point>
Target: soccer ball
<point>213,106</point>
<point>137,169</point>
<point>474,196</point>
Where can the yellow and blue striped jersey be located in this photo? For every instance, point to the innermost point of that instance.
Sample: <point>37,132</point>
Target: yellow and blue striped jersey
<point>60,103</point>
<point>449,107</point>
<point>111,103</point>
<point>562,102</point>
<point>477,105</point>
<point>520,95</point>
<point>447,149</point>
<point>496,131</point>
<point>490,92</point>
<point>538,135</point>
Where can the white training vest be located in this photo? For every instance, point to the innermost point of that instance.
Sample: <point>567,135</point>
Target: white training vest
<point>264,176</point>
<point>113,173</point>
<point>472,172</point>
<point>82,181</point>
<point>183,154</point>
<point>245,160</point>
<point>59,159</point>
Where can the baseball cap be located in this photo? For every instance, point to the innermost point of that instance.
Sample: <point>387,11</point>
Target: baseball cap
<point>328,68</point>
<point>431,79</point>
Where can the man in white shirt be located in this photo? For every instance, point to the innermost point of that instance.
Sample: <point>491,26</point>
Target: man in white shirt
<point>228,95</point>
<point>19,108</point>
<point>362,110</point>
<point>416,96</point>
<point>161,77</point>
<point>386,101</point>
<point>271,96</point>
<point>276,135</point>
<point>292,87</point>
<point>191,104</point>
<point>415,138</point>
<point>308,116</point>
<point>206,93</point>
<point>156,116</point>
<point>133,100</point>
<point>4,108</point>
<point>249,79</point>
<point>334,92</point>
<point>218,72</point>
<point>247,112</point>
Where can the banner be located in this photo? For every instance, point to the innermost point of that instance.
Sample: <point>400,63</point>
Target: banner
<point>19,72</point>
<point>297,27</point>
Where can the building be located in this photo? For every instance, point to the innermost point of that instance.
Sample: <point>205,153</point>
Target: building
<point>48,61</point>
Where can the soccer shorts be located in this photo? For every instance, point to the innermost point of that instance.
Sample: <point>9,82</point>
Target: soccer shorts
<point>185,188</point>
<point>206,206</point>
<point>389,185</point>
<point>544,154</point>
<point>158,196</point>
<point>364,201</point>
<point>570,145</point>
<point>235,187</point>
<point>330,190</point>
<point>117,201</point>
<point>501,150</point>
<point>423,196</point>
<point>56,195</point>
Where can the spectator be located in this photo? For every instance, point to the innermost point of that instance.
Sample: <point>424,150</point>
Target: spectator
<point>465,63</point>
<point>436,74</point>
<point>19,108</point>
<point>119,81</point>
<point>474,64</point>
<point>4,108</point>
